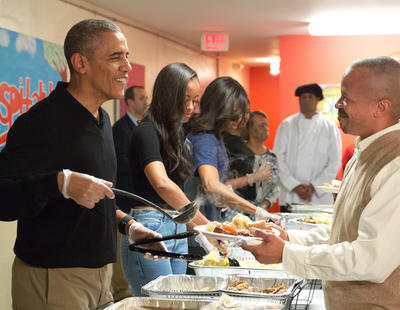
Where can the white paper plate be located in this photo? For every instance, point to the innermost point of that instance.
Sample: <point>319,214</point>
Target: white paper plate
<point>296,220</point>
<point>302,223</point>
<point>329,189</point>
<point>251,241</point>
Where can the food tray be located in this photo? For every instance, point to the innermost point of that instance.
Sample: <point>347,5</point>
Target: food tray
<point>266,272</point>
<point>186,286</point>
<point>291,220</point>
<point>295,208</point>
<point>157,303</point>
<point>151,303</point>
<point>229,302</point>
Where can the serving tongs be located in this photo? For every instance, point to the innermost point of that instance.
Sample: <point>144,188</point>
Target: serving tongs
<point>134,247</point>
<point>188,257</point>
<point>185,214</point>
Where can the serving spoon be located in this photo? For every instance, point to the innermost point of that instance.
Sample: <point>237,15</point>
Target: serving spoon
<point>185,214</point>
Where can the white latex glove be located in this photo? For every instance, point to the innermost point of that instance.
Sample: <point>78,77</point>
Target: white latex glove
<point>263,173</point>
<point>205,244</point>
<point>84,189</point>
<point>262,214</point>
<point>138,232</point>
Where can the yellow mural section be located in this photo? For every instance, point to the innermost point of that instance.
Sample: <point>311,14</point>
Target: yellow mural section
<point>327,105</point>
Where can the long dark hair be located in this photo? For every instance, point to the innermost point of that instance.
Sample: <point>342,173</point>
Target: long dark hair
<point>166,113</point>
<point>223,100</point>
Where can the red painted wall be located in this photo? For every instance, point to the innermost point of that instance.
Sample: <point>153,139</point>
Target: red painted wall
<point>306,59</point>
<point>264,96</point>
<point>135,78</point>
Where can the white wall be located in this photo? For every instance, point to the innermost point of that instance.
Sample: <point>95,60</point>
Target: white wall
<point>50,20</point>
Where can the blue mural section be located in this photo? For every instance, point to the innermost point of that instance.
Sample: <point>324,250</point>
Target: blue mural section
<point>30,70</point>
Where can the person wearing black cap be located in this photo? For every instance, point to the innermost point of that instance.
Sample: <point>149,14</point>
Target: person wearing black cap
<point>308,146</point>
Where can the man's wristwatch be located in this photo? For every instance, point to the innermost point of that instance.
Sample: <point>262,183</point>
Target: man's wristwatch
<point>123,222</point>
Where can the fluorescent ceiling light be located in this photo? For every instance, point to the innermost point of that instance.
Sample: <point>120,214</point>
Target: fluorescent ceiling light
<point>355,24</point>
<point>274,68</point>
<point>274,63</point>
<point>268,60</point>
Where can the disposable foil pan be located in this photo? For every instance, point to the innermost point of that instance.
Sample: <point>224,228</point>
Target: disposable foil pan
<point>184,286</point>
<point>157,303</point>
<point>265,272</point>
<point>187,304</point>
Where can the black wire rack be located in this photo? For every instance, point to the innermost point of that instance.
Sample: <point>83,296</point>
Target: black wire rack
<point>303,298</point>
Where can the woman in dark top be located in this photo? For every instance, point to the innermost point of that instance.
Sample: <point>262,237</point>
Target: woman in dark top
<point>242,178</point>
<point>222,105</point>
<point>159,165</point>
<point>241,158</point>
<point>265,178</point>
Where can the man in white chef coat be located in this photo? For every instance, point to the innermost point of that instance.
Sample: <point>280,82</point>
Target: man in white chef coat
<point>358,257</point>
<point>309,149</point>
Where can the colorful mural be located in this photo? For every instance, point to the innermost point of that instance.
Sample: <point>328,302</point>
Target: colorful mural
<point>30,70</point>
<point>331,96</point>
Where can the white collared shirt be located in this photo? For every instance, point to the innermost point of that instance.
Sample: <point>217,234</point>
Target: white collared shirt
<point>133,119</point>
<point>375,254</point>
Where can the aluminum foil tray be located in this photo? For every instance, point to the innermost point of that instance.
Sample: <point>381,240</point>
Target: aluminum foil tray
<point>184,285</point>
<point>265,272</point>
<point>295,208</point>
<point>243,257</point>
<point>187,286</point>
<point>157,303</point>
<point>187,304</point>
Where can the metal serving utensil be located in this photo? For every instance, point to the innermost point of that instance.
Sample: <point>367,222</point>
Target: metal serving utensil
<point>134,247</point>
<point>187,257</point>
<point>185,214</point>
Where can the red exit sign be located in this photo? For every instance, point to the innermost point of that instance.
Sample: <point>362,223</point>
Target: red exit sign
<point>214,42</point>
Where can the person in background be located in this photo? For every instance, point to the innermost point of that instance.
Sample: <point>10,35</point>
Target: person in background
<point>241,163</point>
<point>159,166</point>
<point>26,197</point>
<point>222,105</point>
<point>63,251</point>
<point>136,101</point>
<point>308,147</point>
<point>357,257</point>
<point>255,134</point>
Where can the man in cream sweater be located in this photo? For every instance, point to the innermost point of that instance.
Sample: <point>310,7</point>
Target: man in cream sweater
<point>358,258</point>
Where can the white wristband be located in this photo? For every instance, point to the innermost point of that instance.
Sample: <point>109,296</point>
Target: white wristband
<point>132,229</point>
<point>67,175</point>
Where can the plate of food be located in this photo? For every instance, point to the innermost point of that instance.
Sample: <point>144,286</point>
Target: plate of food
<point>313,220</point>
<point>332,187</point>
<point>236,231</point>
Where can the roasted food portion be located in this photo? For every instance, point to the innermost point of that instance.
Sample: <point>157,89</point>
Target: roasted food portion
<point>317,219</point>
<point>244,286</point>
<point>334,184</point>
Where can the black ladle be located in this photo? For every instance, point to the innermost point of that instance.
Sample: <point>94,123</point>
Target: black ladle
<point>185,214</point>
